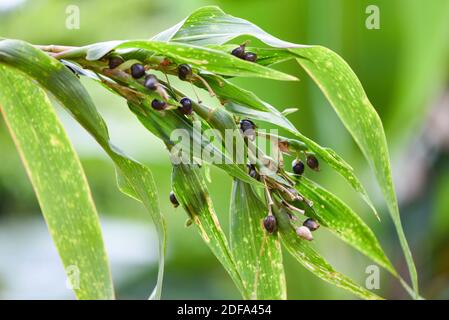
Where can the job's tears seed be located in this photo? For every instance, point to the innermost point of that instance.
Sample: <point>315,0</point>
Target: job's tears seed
<point>186,106</point>
<point>311,224</point>
<point>114,62</point>
<point>246,125</point>
<point>137,70</point>
<point>184,71</point>
<point>312,162</point>
<point>269,223</point>
<point>252,172</point>
<point>239,52</point>
<point>304,233</point>
<point>158,104</point>
<point>250,56</point>
<point>298,166</point>
<point>173,199</point>
<point>150,82</point>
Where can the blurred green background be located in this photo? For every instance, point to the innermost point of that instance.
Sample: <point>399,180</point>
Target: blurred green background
<point>404,67</point>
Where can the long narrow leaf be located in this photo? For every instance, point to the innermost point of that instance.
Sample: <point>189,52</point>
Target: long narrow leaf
<point>258,254</point>
<point>59,182</point>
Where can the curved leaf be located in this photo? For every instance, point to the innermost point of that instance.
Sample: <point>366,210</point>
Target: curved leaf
<point>59,182</point>
<point>258,255</point>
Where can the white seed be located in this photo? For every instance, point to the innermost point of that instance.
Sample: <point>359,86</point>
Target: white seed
<point>304,233</point>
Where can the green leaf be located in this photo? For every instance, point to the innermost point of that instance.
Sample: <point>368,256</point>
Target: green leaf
<point>59,182</point>
<point>334,214</point>
<point>257,254</point>
<point>302,251</point>
<point>198,57</point>
<point>345,93</point>
<point>65,86</point>
<point>191,192</point>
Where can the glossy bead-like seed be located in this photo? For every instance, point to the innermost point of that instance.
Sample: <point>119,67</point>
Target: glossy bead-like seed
<point>250,56</point>
<point>311,224</point>
<point>246,125</point>
<point>186,106</point>
<point>239,52</point>
<point>158,104</point>
<point>298,166</point>
<point>312,162</point>
<point>173,199</point>
<point>269,223</point>
<point>184,71</point>
<point>137,70</point>
<point>114,62</point>
<point>150,82</point>
<point>304,233</point>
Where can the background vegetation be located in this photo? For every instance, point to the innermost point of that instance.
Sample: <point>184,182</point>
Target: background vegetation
<point>404,67</point>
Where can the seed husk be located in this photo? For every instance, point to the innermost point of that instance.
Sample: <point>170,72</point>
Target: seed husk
<point>151,82</point>
<point>304,233</point>
<point>184,71</point>
<point>312,162</point>
<point>115,61</point>
<point>250,56</point>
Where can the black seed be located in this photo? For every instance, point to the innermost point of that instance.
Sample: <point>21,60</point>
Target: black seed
<point>184,71</point>
<point>173,199</point>
<point>312,162</point>
<point>137,70</point>
<point>298,166</point>
<point>186,106</point>
<point>311,224</point>
<point>253,172</point>
<point>150,82</point>
<point>250,56</point>
<point>158,104</point>
<point>239,52</point>
<point>269,223</point>
<point>114,62</point>
<point>246,125</point>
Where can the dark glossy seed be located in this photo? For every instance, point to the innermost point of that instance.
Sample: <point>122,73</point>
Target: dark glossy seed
<point>184,71</point>
<point>253,172</point>
<point>269,223</point>
<point>186,106</point>
<point>158,104</point>
<point>239,52</point>
<point>312,162</point>
<point>150,82</point>
<point>246,125</point>
<point>250,56</point>
<point>173,199</point>
<point>114,62</point>
<point>298,166</point>
<point>137,70</point>
<point>311,224</point>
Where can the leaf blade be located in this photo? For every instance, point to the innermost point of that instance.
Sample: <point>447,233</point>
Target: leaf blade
<point>59,182</point>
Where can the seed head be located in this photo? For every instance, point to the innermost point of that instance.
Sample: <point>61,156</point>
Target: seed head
<point>184,71</point>
<point>298,166</point>
<point>312,162</point>
<point>239,52</point>
<point>114,62</point>
<point>304,233</point>
<point>137,70</point>
<point>311,224</point>
<point>173,199</point>
<point>158,104</point>
<point>269,223</point>
<point>186,106</point>
<point>150,82</point>
<point>250,56</point>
